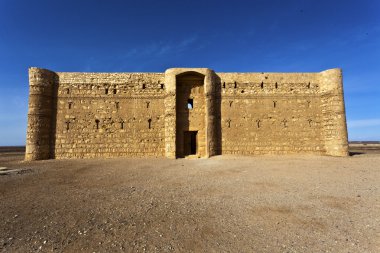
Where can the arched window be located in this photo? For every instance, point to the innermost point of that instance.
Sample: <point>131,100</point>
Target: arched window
<point>190,104</point>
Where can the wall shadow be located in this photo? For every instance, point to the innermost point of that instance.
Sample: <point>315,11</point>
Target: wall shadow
<point>217,106</point>
<point>54,111</point>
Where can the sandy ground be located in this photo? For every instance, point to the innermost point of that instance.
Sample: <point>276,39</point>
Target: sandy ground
<point>222,204</point>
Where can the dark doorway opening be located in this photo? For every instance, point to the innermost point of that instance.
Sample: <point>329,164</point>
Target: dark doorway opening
<point>190,142</point>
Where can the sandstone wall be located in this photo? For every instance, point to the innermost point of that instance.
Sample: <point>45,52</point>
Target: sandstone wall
<point>282,113</point>
<point>108,115</point>
<point>78,115</point>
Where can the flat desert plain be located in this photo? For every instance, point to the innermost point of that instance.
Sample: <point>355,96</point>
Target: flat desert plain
<point>222,204</point>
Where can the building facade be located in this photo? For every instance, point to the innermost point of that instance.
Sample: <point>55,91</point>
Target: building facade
<point>184,112</point>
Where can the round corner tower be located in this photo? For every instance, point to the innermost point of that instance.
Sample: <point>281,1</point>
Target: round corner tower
<point>42,87</point>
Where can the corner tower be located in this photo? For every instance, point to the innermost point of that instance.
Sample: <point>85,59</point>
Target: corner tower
<point>41,114</point>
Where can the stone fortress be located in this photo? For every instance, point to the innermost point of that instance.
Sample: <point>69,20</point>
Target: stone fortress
<point>184,112</point>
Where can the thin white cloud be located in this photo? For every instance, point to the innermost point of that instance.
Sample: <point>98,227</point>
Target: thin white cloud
<point>363,123</point>
<point>161,48</point>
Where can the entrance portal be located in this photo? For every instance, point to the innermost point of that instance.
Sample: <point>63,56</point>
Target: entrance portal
<point>190,115</point>
<point>190,142</point>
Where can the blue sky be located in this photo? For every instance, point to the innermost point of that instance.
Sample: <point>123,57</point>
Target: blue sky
<point>227,36</point>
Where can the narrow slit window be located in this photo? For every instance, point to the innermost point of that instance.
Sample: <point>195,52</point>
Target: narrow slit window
<point>229,123</point>
<point>235,85</point>
<point>149,123</point>
<point>106,91</point>
<point>162,86</point>
<point>147,104</point>
<point>144,86</point>
<point>67,125</point>
<point>308,85</point>
<point>262,85</point>
<point>231,103</point>
<point>190,103</point>
<point>67,91</point>
<point>122,124</point>
<point>70,105</point>
<point>97,123</point>
<point>274,104</point>
<point>276,85</point>
<point>224,85</point>
<point>258,123</point>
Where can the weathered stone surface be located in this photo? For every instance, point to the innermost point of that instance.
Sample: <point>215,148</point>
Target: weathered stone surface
<point>83,115</point>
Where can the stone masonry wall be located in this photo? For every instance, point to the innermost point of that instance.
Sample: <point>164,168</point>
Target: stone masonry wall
<point>83,115</point>
<point>108,115</point>
<point>271,113</point>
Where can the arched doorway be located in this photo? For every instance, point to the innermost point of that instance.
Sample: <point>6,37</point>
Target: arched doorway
<point>190,115</point>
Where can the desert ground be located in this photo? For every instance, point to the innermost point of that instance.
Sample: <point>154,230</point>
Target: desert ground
<point>222,204</point>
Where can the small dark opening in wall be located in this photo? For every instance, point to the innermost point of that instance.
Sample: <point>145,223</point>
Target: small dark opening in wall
<point>106,91</point>
<point>262,85</point>
<point>114,91</point>
<point>190,104</point>
<point>274,104</point>
<point>308,85</point>
<point>224,85</point>
<point>149,123</point>
<point>67,91</point>
<point>231,103</point>
<point>97,123</point>
<point>70,105</point>
<point>242,91</point>
<point>276,85</point>
<point>235,85</point>
<point>144,86</point>
<point>229,123</point>
<point>147,104</point>
<point>122,124</point>
<point>67,125</point>
<point>162,86</point>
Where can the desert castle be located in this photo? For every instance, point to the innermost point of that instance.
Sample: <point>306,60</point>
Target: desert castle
<point>184,112</point>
